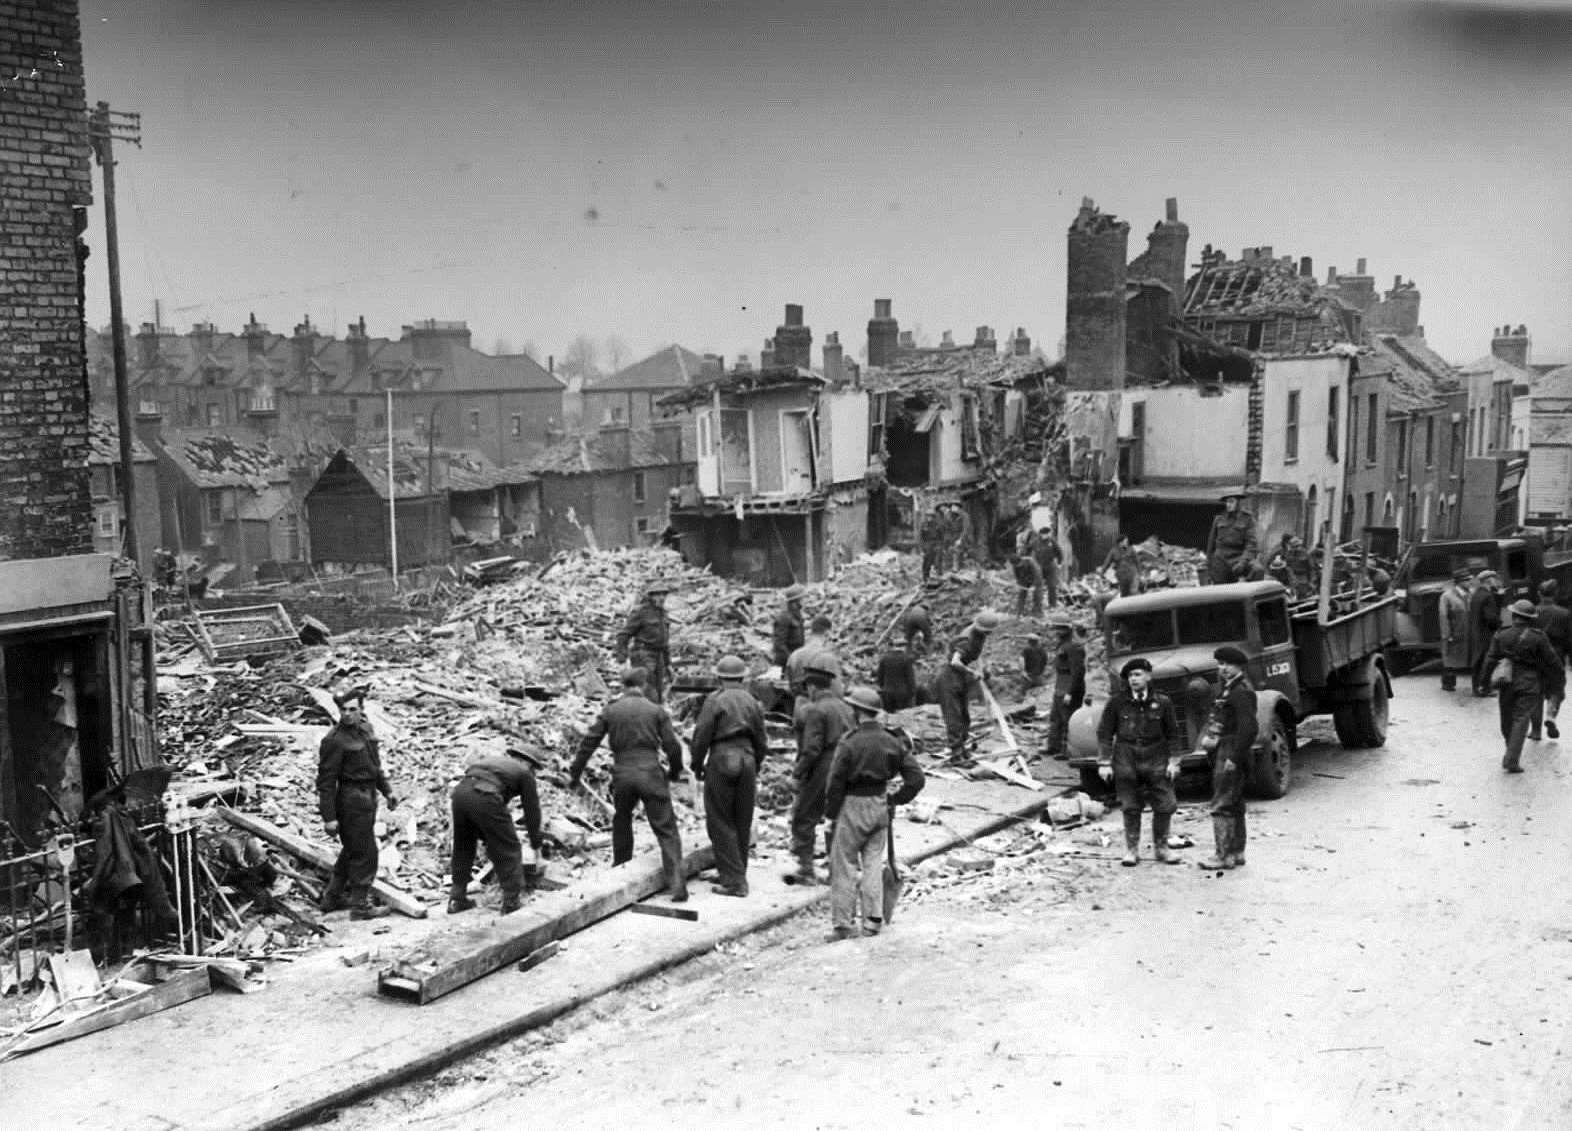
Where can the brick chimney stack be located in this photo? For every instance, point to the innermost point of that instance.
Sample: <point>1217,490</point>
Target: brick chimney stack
<point>1511,345</point>
<point>359,348</point>
<point>1167,251</point>
<point>985,340</point>
<point>834,359</point>
<point>1358,289</point>
<point>1095,303</point>
<point>433,340</point>
<point>884,334</point>
<point>302,348</point>
<point>1021,344</point>
<point>794,340</point>
<point>256,338</point>
<point>767,354</point>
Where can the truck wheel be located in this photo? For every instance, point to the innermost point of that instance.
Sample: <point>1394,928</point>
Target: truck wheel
<point>1273,765</point>
<point>1370,715</point>
<point>1347,729</point>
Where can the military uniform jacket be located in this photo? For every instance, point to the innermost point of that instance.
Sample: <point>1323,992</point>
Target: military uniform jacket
<point>1453,609</point>
<point>787,635</point>
<point>1069,670</point>
<point>815,653</point>
<point>865,762</point>
<point>1556,623</point>
<point>822,723</point>
<point>347,756</point>
<point>1145,722</point>
<point>637,730</point>
<point>966,650</point>
<point>1536,669</point>
<point>1232,535</point>
<point>507,777</point>
<point>646,628</point>
<point>728,715</point>
<point>1233,714</point>
<point>896,675</point>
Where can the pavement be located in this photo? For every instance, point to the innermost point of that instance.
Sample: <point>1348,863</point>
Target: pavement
<point>319,1036</point>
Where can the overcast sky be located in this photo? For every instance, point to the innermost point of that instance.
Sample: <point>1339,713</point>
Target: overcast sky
<point>679,171</point>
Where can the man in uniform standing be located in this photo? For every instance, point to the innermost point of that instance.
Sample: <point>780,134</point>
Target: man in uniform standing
<point>931,541</point>
<point>645,639</point>
<point>816,650</point>
<point>1046,549</point>
<point>1453,610</point>
<point>787,631</point>
<point>860,804</point>
<point>1230,547</point>
<point>728,746</point>
<point>480,812</point>
<point>1133,743</point>
<point>821,723</point>
<point>1028,584</point>
<point>1069,684</point>
<point>1233,728</point>
<point>349,777</point>
<point>638,730</point>
<point>896,677</point>
<point>956,678</point>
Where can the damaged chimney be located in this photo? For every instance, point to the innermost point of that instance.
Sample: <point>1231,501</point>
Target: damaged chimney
<point>302,348</point>
<point>985,340</point>
<point>947,342</point>
<point>712,368</point>
<point>1398,313</point>
<point>1306,267</point>
<point>793,340</point>
<point>908,340</point>
<point>767,354</point>
<point>884,334</point>
<point>1095,301</point>
<point>359,348</point>
<point>1511,345</point>
<point>1020,344</point>
<point>1167,251</point>
<point>834,367</point>
<point>256,338</point>
<point>1358,289</point>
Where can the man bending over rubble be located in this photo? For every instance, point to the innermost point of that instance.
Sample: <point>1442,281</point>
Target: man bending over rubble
<point>637,731</point>
<point>480,812</point>
<point>956,679</point>
<point>349,777</point>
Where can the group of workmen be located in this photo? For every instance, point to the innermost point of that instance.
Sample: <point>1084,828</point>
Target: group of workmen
<point>1522,661</point>
<point>945,538</point>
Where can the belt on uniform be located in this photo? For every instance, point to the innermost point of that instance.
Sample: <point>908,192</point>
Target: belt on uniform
<point>867,789</point>
<point>368,785</point>
<point>1142,746</point>
<point>735,736</point>
<point>482,786</point>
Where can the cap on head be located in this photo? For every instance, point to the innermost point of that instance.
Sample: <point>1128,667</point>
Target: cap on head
<point>731,667</point>
<point>864,699</point>
<point>985,621</point>
<point>1523,609</point>
<point>1462,573</point>
<point>1548,588</point>
<point>1033,638</point>
<point>351,697</point>
<point>1231,493</point>
<point>1138,664</point>
<point>635,676</point>
<point>795,592</point>
<point>1228,654</point>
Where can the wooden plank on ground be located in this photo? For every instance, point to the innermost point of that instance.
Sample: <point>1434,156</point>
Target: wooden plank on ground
<point>665,912</point>
<point>445,962</point>
<point>998,716</point>
<point>180,988</point>
<point>302,849</point>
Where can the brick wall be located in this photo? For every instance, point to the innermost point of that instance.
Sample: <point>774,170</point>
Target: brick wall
<point>46,507</point>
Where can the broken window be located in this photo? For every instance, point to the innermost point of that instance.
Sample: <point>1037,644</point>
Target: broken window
<point>516,426</point>
<point>877,405</point>
<point>1291,428</point>
<point>971,441</point>
<point>215,507</point>
<point>215,415</point>
<point>1331,422</point>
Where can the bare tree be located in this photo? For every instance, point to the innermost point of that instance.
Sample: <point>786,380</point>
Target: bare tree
<point>501,348</point>
<point>616,352</point>
<point>531,351</point>
<point>581,359</point>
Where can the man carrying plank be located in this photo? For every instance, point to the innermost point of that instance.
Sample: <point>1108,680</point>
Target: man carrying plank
<point>860,804</point>
<point>480,812</point>
<point>349,777</point>
<point>637,731</point>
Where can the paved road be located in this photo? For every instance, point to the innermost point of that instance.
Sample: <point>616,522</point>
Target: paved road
<point>1396,954</point>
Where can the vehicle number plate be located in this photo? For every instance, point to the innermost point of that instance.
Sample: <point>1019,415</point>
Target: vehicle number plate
<point>1279,668</point>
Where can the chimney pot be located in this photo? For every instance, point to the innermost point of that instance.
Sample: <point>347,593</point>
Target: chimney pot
<point>881,308</point>
<point>1171,209</point>
<point>793,314</point>
<point>1359,268</point>
<point>1397,281</point>
<point>948,341</point>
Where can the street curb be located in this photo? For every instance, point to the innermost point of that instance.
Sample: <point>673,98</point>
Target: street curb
<point>430,1062</point>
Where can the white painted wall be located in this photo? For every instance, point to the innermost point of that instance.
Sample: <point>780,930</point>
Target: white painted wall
<point>1190,436</point>
<point>1313,378</point>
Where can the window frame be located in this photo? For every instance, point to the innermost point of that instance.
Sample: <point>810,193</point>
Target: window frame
<point>640,487</point>
<point>1291,428</point>
<point>1333,421</point>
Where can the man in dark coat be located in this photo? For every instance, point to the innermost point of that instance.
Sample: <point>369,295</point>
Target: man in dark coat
<point>1034,659</point>
<point>1028,584</point>
<point>931,541</point>
<point>1126,565</point>
<point>480,813</point>
<point>1045,548</point>
<point>1134,740</point>
<point>645,639</point>
<point>1556,623</point>
<point>1484,619</point>
<point>638,731</point>
<point>1069,684</point>
<point>787,631</point>
<point>1536,672</point>
<point>1453,614</point>
<point>860,803</point>
<point>956,680</point>
<point>896,677</point>
<point>1230,546</point>
<point>349,777</point>
<point>1233,728</point>
<point>729,744</point>
<point>821,723</point>
<point>917,627</point>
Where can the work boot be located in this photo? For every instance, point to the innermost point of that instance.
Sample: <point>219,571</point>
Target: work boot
<point>510,902</point>
<point>840,934</point>
<point>532,876</point>
<point>363,908</point>
<point>736,891</point>
<point>1551,729</point>
<point>332,900</point>
<point>1132,839</point>
<point>1236,844</point>
<point>1160,849</point>
<point>460,903</point>
<point>872,926</point>
<point>804,876</point>
<point>1222,834</point>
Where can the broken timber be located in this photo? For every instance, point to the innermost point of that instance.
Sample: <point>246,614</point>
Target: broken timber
<point>176,990</point>
<point>402,902</point>
<point>998,715</point>
<point>446,962</point>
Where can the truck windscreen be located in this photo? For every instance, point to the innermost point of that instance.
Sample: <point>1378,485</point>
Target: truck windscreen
<point>1141,632</point>
<point>1211,624</point>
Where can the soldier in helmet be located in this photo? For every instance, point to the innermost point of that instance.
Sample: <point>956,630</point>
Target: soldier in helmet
<point>956,680</point>
<point>728,746</point>
<point>821,722</point>
<point>787,631</point>
<point>1069,683</point>
<point>1230,547</point>
<point>645,639</point>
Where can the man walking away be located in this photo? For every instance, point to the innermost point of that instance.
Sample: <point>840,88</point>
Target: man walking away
<point>1231,732</point>
<point>645,639</point>
<point>1069,684</point>
<point>956,679</point>
<point>1454,629</point>
<point>1484,620</point>
<point>637,731</point>
<point>815,650</point>
<point>729,744</point>
<point>349,777</point>
<point>1133,743</point>
<point>1536,672</point>
<point>480,813</point>
<point>896,677</point>
<point>860,804</point>
<point>787,630</point>
<point>823,722</point>
<point>1556,623</point>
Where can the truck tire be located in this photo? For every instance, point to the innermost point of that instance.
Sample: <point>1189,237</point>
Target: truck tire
<point>1347,729</point>
<point>1369,715</point>
<point>1272,766</point>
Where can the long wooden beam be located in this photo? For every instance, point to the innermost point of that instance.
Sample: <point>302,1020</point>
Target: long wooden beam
<point>302,849</point>
<point>447,961</point>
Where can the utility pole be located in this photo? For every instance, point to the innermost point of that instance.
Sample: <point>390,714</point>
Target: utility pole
<point>392,499</point>
<point>105,127</point>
